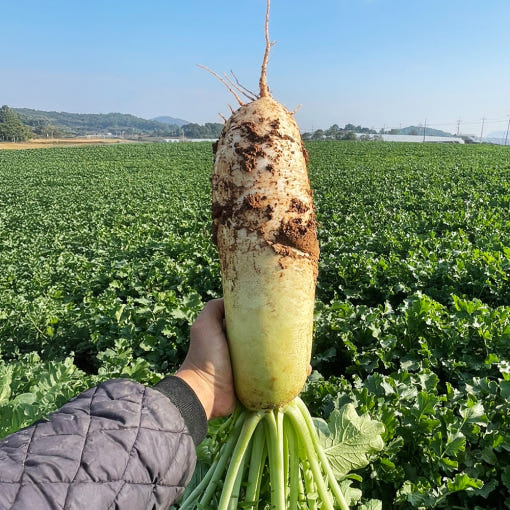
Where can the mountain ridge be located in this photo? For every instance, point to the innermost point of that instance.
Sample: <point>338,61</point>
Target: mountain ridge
<point>166,119</point>
<point>87,123</point>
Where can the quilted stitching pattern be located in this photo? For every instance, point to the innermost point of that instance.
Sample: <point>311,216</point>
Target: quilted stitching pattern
<point>117,446</point>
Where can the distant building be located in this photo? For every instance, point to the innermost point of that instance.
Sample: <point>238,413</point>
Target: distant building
<point>182,139</point>
<point>414,138</point>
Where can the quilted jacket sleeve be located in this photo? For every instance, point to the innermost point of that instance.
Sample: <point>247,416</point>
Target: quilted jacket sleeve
<point>118,446</point>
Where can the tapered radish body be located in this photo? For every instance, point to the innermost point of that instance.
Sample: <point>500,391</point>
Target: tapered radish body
<point>264,227</point>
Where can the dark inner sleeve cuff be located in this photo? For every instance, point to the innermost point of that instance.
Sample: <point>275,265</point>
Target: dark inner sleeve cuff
<point>185,399</point>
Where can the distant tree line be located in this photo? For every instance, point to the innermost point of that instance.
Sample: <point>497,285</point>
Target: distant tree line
<point>63,124</point>
<point>11,127</point>
<point>208,130</point>
<point>348,132</point>
<point>75,124</point>
<point>20,124</point>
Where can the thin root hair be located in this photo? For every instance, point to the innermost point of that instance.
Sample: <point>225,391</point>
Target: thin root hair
<point>239,88</point>
<point>298,107</point>
<point>224,83</point>
<point>253,95</point>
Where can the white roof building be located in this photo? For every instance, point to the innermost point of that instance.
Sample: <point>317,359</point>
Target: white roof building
<point>414,138</point>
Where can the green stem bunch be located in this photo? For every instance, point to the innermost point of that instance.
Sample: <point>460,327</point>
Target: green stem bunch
<point>279,447</point>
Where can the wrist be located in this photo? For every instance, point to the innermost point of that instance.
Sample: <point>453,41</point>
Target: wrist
<point>200,387</point>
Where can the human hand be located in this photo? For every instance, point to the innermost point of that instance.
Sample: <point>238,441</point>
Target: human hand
<point>206,367</point>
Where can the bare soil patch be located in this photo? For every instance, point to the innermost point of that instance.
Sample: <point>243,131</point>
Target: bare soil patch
<point>42,143</point>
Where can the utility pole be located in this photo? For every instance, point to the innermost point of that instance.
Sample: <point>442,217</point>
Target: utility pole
<point>458,127</point>
<point>507,128</point>
<point>481,132</point>
<point>424,129</point>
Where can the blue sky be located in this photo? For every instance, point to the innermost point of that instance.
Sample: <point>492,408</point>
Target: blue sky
<point>372,62</point>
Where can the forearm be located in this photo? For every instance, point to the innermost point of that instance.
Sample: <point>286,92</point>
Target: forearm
<point>117,445</point>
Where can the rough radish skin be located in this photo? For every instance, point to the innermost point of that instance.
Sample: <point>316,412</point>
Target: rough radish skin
<point>264,227</point>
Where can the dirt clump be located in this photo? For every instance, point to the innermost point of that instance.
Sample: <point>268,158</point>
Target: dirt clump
<point>302,237</point>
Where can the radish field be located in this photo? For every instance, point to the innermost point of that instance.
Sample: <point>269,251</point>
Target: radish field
<point>106,258</point>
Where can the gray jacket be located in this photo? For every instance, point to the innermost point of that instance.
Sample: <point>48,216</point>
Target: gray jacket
<point>118,446</point>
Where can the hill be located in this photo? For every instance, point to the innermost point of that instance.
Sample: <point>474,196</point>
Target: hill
<point>64,124</point>
<point>418,130</point>
<point>165,119</point>
<point>92,123</point>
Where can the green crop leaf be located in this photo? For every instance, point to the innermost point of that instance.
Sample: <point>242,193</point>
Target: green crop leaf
<point>474,413</point>
<point>505,477</point>
<point>24,398</point>
<point>373,504</point>
<point>5,383</point>
<point>352,494</point>
<point>455,444</point>
<point>348,439</point>
<point>416,495</point>
<point>426,403</point>
<point>505,389</point>
<point>489,456</point>
<point>449,465</point>
<point>463,482</point>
